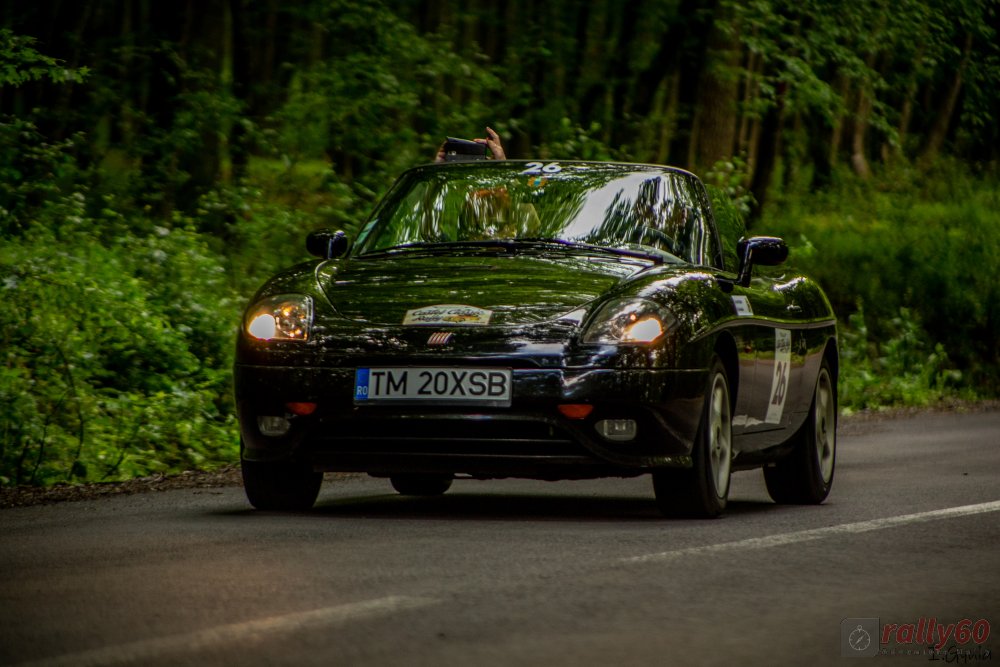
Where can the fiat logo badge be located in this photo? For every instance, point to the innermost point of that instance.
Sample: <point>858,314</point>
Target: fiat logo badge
<point>440,338</point>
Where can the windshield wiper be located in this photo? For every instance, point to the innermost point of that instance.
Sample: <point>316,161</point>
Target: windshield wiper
<point>513,245</point>
<point>591,248</point>
<point>443,246</point>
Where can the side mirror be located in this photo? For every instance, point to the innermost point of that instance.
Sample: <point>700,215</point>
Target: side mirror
<point>327,244</point>
<point>765,250</point>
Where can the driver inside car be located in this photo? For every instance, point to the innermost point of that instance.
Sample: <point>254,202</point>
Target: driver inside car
<point>491,213</point>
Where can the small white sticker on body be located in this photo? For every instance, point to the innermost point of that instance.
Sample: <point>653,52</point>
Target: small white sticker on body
<point>742,305</point>
<point>782,371</point>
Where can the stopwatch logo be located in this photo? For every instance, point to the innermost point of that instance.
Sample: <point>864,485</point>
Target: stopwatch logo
<point>859,637</point>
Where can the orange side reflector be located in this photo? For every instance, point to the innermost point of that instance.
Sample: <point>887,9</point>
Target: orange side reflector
<point>301,409</point>
<point>576,410</point>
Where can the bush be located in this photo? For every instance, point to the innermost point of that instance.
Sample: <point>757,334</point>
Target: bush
<point>903,369</point>
<point>116,356</point>
<point>116,333</point>
<point>911,271</point>
<point>119,326</point>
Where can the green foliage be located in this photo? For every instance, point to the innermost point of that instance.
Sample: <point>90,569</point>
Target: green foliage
<point>177,163</point>
<point>260,225</point>
<point>570,141</point>
<point>21,63</point>
<point>117,338</point>
<point>901,367</point>
<point>731,177</point>
<point>359,106</point>
<point>910,264</point>
<point>798,42</point>
<point>32,172</point>
<point>116,346</point>
<point>115,356</point>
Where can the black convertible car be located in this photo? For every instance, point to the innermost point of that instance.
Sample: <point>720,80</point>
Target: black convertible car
<point>558,320</point>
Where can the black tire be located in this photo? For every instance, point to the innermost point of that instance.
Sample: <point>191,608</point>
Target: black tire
<point>282,486</point>
<point>702,491</point>
<point>805,476</point>
<point>421,485</point>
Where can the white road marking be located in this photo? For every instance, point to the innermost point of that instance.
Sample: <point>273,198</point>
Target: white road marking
<point>782,539</point>
<point>147,649</point>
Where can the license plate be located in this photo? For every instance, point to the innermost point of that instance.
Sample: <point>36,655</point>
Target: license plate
<point>466,386</point>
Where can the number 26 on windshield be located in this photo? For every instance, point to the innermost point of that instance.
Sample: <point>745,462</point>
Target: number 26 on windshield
<point>539,168</point>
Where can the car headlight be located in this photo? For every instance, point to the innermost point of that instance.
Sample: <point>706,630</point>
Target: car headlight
<point>281,317</point>
<point>628,321</point>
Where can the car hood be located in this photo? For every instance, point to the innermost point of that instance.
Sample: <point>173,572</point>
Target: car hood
<point>514,289</point>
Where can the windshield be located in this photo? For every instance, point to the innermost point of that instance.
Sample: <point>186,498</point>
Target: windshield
<point>603,205</point>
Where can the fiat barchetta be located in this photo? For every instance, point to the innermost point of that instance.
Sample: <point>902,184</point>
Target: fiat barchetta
<point>548,320</point>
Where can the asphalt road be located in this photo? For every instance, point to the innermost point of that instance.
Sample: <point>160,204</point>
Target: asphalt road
<point>527,573</point>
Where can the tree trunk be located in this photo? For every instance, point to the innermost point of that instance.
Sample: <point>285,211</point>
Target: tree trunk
<point>754,64</point>
<point>202,49</point>
<point>939,131</point>
<point>859,161</point>
<point>666,118</point>
<point>242,76</point>
<point>906,110</point>
<point>767,152</point>
<point>837,131</point>
<point>715,121</point>
<point>819,145</point>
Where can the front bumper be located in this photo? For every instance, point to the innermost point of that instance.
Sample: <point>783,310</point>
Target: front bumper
<point>531,438</point>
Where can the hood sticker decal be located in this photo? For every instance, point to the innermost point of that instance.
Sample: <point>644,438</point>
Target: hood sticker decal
<point>453,314</point>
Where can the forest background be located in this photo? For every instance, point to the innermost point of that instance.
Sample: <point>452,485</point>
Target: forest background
<point>159,160</point>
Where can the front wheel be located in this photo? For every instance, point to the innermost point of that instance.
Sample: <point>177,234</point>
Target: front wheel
<point>805,476</point>
<point>703,490</point>
<point>283,486</point>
